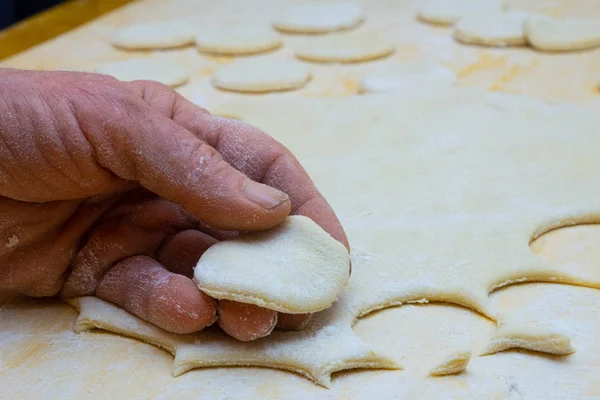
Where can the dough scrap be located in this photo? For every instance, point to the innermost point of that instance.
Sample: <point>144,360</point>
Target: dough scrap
<point>448,12</point>
<point>294,268</point>
<point>498,29</point>
<point>163,71</point>
<point>261,75</point>
<point>515,334</point>
<point>346,47</point>
<point>566,34</point>
<point>154,36</point>
<point>455,363</point>
<point>319,17</point>
<point>237,40</point>
<point>408,77</point>
<point>470,178</point>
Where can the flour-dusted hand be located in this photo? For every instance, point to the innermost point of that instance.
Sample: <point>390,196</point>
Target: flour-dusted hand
<point>115,189</point>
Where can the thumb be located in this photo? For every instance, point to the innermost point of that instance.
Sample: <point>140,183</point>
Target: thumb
<point>170,161</point>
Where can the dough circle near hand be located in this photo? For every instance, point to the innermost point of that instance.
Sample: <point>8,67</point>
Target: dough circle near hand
<point>293,268</point>
<point>448,12</point>
<point>408,77</point>
<point>261,75</point>
<point>346,47</point>
<point>319,17</point>
<point>163,71</point>
<point>566,34</point>
<point>237,40</point>
<point>494,29</point>
<point>158,35</point>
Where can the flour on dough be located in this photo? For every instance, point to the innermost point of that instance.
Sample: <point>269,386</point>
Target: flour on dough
<point>442,195</point>
<point>408,77</point>
<point>346,47</point>
<point>163,71</point>
<point>566,34</point>
<point>157,35</point>
<point>294,268</point>
<point>455,363</point>
<point>319,17</point>
<point>448,12</point>
<point>261,75</point>
<point>498,29</point>
<point>237,40</point>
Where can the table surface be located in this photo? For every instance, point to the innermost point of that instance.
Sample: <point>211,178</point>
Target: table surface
<point>52,22</point>
<point>43,353</point>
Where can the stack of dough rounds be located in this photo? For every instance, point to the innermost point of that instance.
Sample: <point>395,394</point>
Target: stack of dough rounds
<point>448,12</point>
<point>158,35</point>
<point>346,47</point>
<point>237,40</point>
<point>319,17</point>
<point>294,268</point>
<point>409,77</point>
<point>163,71</point>
<point>567,34</point>
<point>261,75</point>
<point>492,29</point>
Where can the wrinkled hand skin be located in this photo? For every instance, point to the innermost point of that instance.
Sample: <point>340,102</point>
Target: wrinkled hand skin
<point>115,189</point>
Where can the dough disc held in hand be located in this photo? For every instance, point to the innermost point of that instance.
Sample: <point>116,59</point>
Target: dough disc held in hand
<point>261,75</point>
<point>346,47</point>
<point>448,12</point>
<point>163,71</point>
<point>293,268</point>
<point>319,17</point>
<point>237,40</point>
<point>496,29</point>
<point>566,34</point>
<point>408,77</point>
<point>159,35</point>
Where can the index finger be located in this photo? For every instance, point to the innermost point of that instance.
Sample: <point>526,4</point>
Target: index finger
<point>263,159</point>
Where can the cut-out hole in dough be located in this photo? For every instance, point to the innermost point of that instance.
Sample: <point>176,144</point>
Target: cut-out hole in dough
<point>164,71</point>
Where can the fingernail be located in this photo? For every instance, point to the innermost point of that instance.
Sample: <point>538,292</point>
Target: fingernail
<point>264,195</point>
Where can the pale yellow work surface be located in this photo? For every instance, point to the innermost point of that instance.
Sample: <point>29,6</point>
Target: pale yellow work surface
<point>41,358</point>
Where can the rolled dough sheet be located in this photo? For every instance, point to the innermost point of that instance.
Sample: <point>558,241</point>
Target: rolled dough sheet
<point>260,75</point>
<point>346,47</point>
<point>562,34</point>
<point>237,40</point>
<point>448,12</point>
<point>455,363</point>
<point>164,71</point>
<point>471,177</point>
<point>498,29</point>
<point>294,268</point>
<point>154,36</point>
<point>408,77</point>
<point>319,17</point>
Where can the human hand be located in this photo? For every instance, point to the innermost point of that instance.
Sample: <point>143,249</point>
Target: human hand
<point>115,189</point>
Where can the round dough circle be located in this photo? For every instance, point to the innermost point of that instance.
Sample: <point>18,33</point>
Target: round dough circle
<point>261,75</point>
<point>163,71</point>
<point>294,268</point>
<point>494,29</point>
<point>409,77</point>
<point>159,35</point>
<point>448,12</point>
<point>346,47</point>
<point>237,40</point>
<point>319,17</point>
<point>566,34</point>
